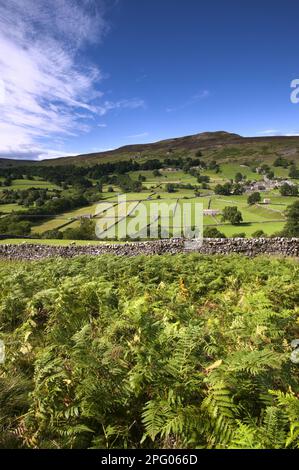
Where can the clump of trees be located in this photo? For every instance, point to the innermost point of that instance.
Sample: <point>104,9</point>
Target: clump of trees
<point>254,198</point>
<point>232,215</point>
<point>294,172</point>
<point>282,162</point>
<point>212,232</point>
<point>170,188</point>
<point>223,189</point>
<point>259,234</point>
<point>291,228</point>
<point>14,225</point>
<point>289,190</point>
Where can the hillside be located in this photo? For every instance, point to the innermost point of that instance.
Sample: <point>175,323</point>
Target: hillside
<point>10,162</point>
<point>223,146</point>
<point>220,145</point>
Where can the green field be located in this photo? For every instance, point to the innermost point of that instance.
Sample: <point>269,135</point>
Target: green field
<point>166,177</point>
<point>229,171</point>
<point>65,218</point>
<point>8,208</point>
<point>37,241</point>
<point>269,218</point>
<point>27,184</point>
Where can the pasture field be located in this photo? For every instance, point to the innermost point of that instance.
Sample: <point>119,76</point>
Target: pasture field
<point>8,208</point>
<point>267,217</point>
<point>269,228</point>
<point>27,184</point>
<point>229,170</point>
<point>62,219</point>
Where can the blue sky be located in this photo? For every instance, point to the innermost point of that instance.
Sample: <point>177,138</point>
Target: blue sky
<point>90,75</point>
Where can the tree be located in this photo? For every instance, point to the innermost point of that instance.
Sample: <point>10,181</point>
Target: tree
<point>254,198</point>
<point>212,232</point>
<point>99,186</point>
<point>264,169</point>
<point>289,190</point>
<point>86,231</point>
<point>203,179</point>
<point>238,189</point>
<point>280,161</point>
<point>213,165</point>
<point>270,174</point>
<point>7,182</point>
<point>291,228</point>
<point>53,235</point>
<point>294,172</point>
<point>238,177</point>
<point>259,234</point>
<point>224,190</point>
<point>170,188</point>
<point>13,225</point>
<point>156,173</point>
<point>232,214</point>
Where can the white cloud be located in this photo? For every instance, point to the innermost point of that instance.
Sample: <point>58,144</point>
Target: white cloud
<point>102,125</point>
<point>47,87</point>
<point>277,133</point>
<point>270,132</point>
<point>122,104</point>
<point>201,95</point>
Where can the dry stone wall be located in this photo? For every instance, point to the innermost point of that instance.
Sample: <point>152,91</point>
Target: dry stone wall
<point>248,247</point>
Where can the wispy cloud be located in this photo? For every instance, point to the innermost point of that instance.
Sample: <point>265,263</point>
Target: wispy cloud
<point>202,95</point>
<point>138,136</point>
<point>122,104</point>
<point>102,125</point>
<point>275,132</point>
<point>269,132</point>
<point>48,87</point>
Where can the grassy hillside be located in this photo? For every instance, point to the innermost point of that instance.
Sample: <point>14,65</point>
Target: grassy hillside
<point>223,146</point>
<point>177,351</point>
<point>23,184</point>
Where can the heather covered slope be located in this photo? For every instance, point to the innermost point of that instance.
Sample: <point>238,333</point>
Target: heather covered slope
<point>176,351</point>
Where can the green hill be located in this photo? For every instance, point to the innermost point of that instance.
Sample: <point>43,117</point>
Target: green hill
<point>221,146</point>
